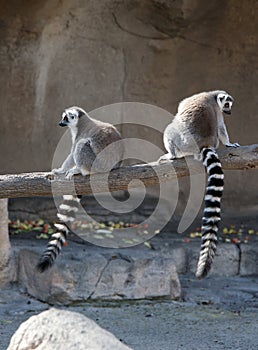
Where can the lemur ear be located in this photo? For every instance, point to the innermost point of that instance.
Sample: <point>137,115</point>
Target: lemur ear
<point>220,97</point>
<point>80,113</point>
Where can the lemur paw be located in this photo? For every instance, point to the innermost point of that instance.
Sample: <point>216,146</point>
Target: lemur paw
<point>232,144</point>
<point>69,174</point>
<point>74,171</point>
<point>165,158</point>
<point>57,171</point>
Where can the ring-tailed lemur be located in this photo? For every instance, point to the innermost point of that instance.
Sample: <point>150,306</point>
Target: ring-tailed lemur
<point>196,130</point>
<point>89,153</point>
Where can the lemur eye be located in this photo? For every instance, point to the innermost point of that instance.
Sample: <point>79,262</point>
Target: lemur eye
<point>72,117</point>
<point>226,105</point>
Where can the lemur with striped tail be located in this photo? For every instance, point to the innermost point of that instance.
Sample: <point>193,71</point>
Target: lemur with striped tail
<point>96,147</point>
<point>196,130</point>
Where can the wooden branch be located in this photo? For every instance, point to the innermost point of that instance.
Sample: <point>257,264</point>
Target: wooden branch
<point>39,184</point>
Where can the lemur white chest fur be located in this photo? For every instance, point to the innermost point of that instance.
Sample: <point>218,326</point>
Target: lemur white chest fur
<point>96,147</point>
<point>196,130</point>
<point>74,131</point>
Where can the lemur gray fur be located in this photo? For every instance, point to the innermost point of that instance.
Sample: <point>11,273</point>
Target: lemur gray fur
<point>196,130</point>
<point>90,137</point>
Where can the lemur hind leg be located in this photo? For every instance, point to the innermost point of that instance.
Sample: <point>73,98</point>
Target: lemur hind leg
<point>84,156</point>
<point>174,153</point>
<point>171,148</point>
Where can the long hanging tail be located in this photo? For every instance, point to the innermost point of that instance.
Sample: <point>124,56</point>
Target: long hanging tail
<point>67,211</point>
<point>211,216</point>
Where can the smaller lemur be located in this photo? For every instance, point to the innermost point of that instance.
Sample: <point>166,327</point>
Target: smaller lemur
<point>196,130</point>
<point>90,137</point>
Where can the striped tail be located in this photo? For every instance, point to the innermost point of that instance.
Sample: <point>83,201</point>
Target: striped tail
<point>211,216</point>
<point>67,211</point>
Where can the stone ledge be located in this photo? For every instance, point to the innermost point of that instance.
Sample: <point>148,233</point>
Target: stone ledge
<point>249,259</point>
<point>87,272</point>
<point>96,276</point>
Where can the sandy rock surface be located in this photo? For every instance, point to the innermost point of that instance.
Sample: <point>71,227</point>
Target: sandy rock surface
<point>58,329</point>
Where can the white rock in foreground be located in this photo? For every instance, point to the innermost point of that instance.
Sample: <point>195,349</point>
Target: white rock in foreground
<point>63,330</point>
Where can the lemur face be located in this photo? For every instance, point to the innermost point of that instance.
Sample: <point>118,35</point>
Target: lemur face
<point>225,102</point>
<point>71,116</point>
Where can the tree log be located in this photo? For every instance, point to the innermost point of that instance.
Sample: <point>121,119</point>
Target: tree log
<point>40,184</point>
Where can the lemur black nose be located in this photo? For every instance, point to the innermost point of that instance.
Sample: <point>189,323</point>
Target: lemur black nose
<point>62,123</point>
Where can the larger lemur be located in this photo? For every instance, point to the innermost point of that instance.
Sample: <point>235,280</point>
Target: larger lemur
<point>96,147</point>
<point>196,130</point>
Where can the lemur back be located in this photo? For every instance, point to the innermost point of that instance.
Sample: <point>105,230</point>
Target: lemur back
<point>196,130</point>
<point>96,147</point>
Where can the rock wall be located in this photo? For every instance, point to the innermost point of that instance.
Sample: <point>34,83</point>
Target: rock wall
<point>56,53</point>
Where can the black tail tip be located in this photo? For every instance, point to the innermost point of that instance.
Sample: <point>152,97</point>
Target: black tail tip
<point>202,272</point>
<point>43,265</point>
<point>200,276</point>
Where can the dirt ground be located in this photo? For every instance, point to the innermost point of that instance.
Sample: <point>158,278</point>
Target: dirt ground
<point>217,313</point>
